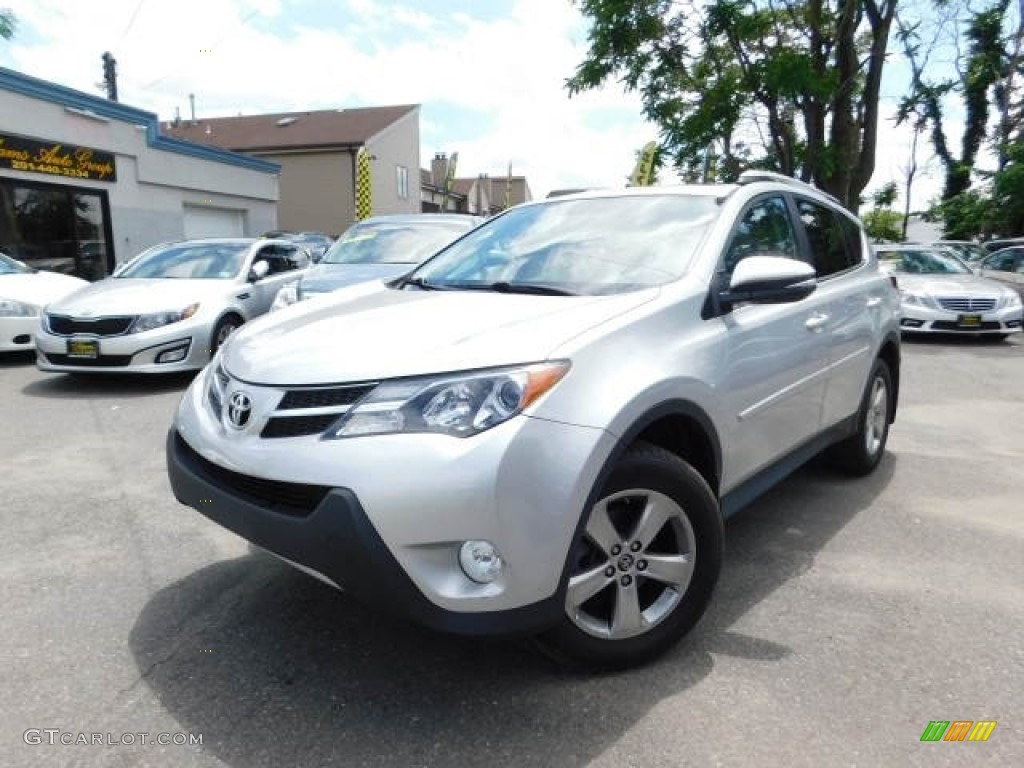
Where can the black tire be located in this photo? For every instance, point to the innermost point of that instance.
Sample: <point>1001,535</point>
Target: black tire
<point>224,328</point>
<point>646,484</point>
<point>859,454</point>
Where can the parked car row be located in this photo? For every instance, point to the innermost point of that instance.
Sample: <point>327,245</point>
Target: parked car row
<point>941,294</point>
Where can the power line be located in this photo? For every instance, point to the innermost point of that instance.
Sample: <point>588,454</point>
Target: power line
<point>131,21</point>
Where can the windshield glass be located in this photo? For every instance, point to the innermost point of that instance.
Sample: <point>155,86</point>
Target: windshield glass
<point>966,251</point>
<point>393,243</point>
<point>922,262</point>
<point>217,261</point>
<point>9,266</point>
<point>593,246</point>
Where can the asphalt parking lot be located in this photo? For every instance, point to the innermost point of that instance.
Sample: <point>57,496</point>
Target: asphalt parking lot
<point>849,615</point>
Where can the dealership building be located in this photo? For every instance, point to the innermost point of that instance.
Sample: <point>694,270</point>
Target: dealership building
<point>86,183</point>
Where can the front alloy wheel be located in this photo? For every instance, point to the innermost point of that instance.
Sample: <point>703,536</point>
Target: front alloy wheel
<point>644,564</point>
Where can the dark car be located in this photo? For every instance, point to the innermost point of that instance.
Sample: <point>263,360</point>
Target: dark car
<point>379,248</point>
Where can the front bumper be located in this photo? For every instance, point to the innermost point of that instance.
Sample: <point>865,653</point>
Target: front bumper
<point>130,353</point>
<point>383,517</point>
<point>918,319</point>
<point>16,333</point>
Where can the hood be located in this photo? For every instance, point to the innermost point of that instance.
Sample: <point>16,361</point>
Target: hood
<point>39,288</point>
<point>137,296</point>
<point>951,285</point>
<point>370,332</point>
<point>329,277</point>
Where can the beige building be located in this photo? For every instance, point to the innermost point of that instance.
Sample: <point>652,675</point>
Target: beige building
<point>482,195</point>
<point>317,152</point>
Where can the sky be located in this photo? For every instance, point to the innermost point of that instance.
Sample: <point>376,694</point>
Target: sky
<point>489,75</point>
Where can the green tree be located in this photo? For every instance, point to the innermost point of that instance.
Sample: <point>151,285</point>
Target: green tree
<point>790,85</point>
<point>7,24</point>
<point>983,74</point>
<point>883,224</point>
<point>886,195</point>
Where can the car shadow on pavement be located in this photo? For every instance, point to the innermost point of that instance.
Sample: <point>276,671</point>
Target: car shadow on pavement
<point>984,346</point>
<point>17,359</point>
<point>87,386</point>
<point>274,668</point>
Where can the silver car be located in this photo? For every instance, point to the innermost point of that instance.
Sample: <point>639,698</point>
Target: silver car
<point>941,294</point>
<point>23,293</point>
<point>168,309</point>
<point>542,428</point>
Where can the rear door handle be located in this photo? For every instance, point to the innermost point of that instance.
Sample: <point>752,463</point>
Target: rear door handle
<point>816,322</point>
<point>874,301</point>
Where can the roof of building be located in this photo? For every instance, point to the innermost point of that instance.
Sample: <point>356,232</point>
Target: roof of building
<point>291,130</point>
<point>95,107</point>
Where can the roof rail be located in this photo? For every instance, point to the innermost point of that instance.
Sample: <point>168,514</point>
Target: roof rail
<point>755,174</point>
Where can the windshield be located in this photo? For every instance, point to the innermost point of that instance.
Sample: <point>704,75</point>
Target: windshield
<point>217,261</point>
<point>9,266</point>
<point>922,262</point>
<point>966,251</point>
<point>393,243</point>
<point>592,246</point>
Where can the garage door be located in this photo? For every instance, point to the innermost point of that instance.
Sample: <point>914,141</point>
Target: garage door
<point>212,222</point>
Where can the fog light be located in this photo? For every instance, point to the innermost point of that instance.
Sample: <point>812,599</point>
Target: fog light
<point>481,561</point>
<point>172,355</point>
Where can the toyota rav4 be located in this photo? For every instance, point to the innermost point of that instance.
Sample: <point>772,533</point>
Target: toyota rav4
<point>542,428</point>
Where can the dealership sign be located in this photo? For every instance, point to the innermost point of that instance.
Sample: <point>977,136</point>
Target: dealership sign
<point>22,154</point>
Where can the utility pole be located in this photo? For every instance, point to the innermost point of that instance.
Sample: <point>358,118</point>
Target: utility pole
<point>110,75</point>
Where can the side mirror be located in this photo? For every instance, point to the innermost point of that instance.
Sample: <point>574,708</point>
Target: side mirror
<point>769,280</point>
<point>259,271</point>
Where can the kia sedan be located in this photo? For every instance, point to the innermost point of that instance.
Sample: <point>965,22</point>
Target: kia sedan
<point>941,294</point>
<point>378,248</point>
<point>23,293</point>
<point>168,309</point>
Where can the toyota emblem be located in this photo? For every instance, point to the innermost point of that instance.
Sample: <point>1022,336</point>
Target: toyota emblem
<point>239,409</point>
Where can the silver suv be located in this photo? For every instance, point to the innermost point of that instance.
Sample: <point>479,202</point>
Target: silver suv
<point>542,428</point>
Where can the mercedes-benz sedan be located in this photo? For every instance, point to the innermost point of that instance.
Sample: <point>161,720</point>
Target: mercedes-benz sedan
<point>168,309</point>
<point>940,294</point>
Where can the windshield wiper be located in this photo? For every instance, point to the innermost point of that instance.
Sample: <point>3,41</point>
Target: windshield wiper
<point>422,283</point>
<point>537,289</point>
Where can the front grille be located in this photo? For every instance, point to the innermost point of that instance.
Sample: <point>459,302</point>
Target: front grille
<point>293,499</point>
<point>295,399</point>
<point>103,361</point>
<point>62,325</point>
<point>965,304</point>
<point>952,325</point>
<point>297,426</point>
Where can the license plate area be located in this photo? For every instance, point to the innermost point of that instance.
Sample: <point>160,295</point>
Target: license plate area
<point>968,321</point>
<point>87,349</point>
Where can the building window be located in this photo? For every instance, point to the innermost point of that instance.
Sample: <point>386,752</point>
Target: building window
<point>402,181</point>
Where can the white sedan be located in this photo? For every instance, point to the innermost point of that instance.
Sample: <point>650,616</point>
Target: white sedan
<point>940,294</point>
<point>24,291</point>
<point>168,309</point>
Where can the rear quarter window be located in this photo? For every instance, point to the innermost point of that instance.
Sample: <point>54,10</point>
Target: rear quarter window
<point>834,239</point>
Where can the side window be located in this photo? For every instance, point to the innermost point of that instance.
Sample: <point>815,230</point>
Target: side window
<point>830,242</point>
<point>1004,262</point>
<point>272,254</point>
<point>764,230</point>
<point>298,258</point>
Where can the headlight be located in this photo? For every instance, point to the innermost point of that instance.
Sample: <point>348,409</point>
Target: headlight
<point>287,296</point>
<point>915,298</point>
<point>159,319</point>
<point>460,405</point>
<point>12,308</point>
<point>1012,301</point>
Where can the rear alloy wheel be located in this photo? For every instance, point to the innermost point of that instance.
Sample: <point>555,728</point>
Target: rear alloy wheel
<point>645,564</point>
<point>860,453</point>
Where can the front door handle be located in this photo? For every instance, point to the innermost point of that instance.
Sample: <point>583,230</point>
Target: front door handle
<point>816,322</point>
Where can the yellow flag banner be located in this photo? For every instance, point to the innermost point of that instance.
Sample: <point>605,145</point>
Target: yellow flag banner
<point>643,173</point>
<point>364,185</point>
